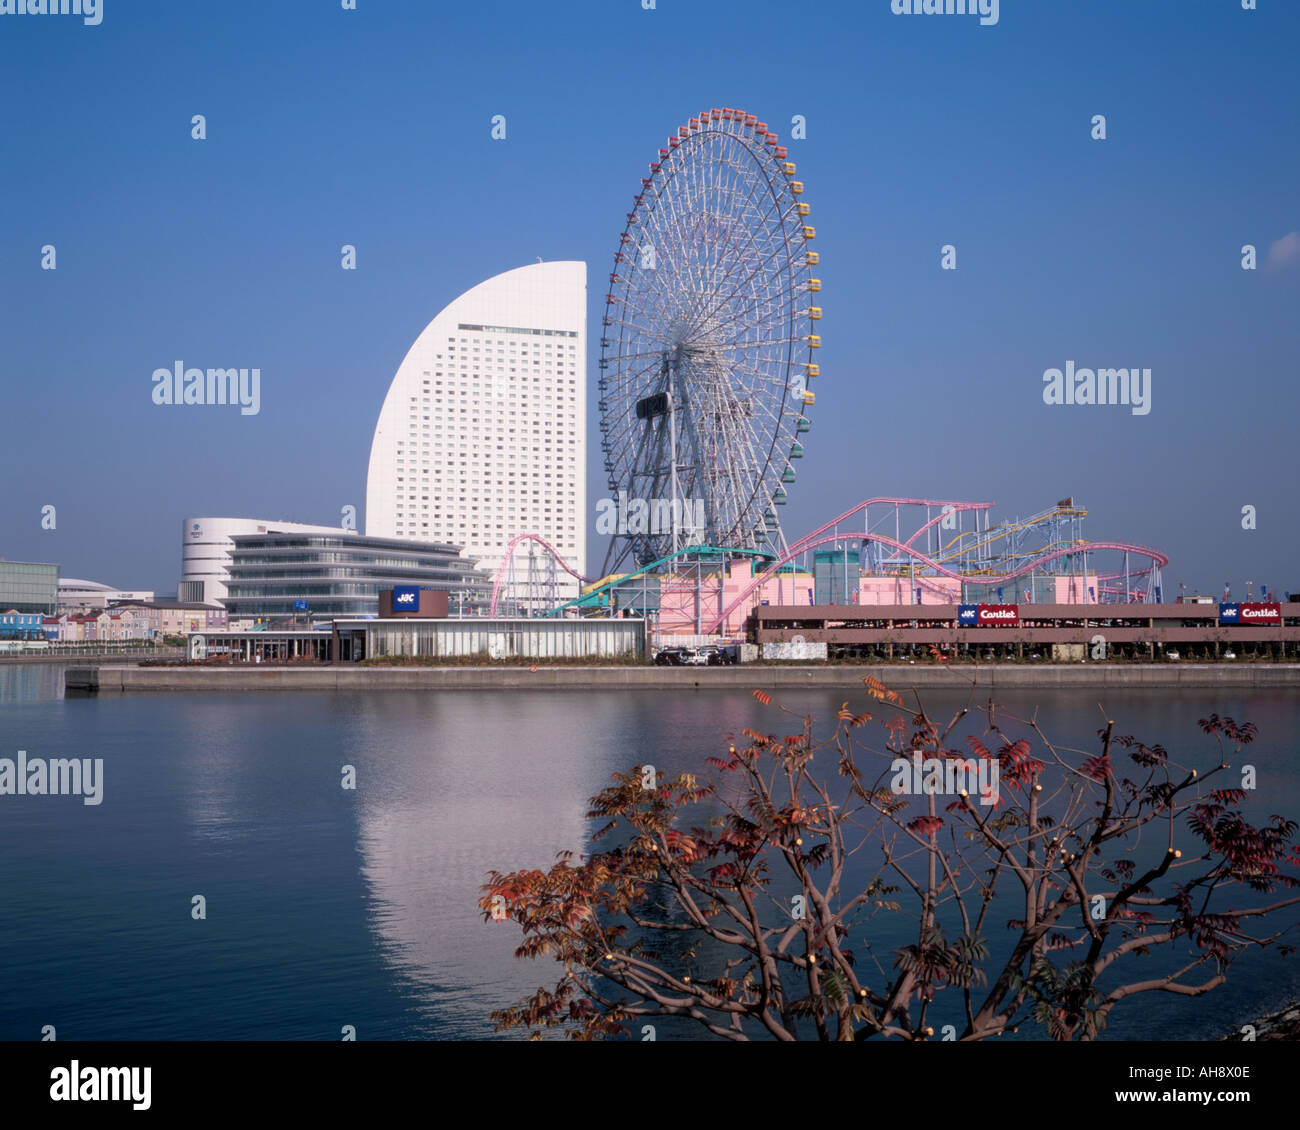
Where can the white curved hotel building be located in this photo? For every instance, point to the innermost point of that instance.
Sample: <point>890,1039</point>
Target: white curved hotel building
<point>482,433</point>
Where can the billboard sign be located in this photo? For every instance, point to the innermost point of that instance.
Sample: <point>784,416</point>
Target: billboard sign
<point>967,615</point>
<point>1261,613</point>
<point>999,615</point>
<point>1229,612</point>
<point>300,606</point>
<point>406,598</point>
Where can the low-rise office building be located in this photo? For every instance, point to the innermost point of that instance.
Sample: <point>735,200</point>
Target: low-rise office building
<point>321,576</point>
<point>208,545</point>
<point>453,638</point>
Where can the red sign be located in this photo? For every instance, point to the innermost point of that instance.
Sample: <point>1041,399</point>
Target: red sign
<point>1261,614</point>
<point>1000,615</point>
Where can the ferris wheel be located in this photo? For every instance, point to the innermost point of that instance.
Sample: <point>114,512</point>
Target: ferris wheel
<point>708,344</point>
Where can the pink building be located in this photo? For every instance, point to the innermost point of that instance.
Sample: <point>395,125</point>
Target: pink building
<point>686,607</point>
<point>684,610</point>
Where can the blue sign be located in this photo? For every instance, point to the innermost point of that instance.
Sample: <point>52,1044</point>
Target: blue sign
<point>406,598</point>
<point>1230,613</point>
<point>300,606</point>
<point>968,615</point>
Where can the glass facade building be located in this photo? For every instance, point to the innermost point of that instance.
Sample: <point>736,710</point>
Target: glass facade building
<point>29,586</point>
<point>341,575</point>
<point>540,638</point>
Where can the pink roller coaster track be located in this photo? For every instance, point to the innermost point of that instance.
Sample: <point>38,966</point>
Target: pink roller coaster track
<point>861,506</point>
<point>819,536</point>
<point>812,541</point>
<point>509,553</point>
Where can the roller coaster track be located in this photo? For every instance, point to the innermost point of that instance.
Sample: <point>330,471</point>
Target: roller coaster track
<point>958,548</point>
<point>813,540</point>
<point>509,553</point>
<point>585,598</point>
<point>820,536</point>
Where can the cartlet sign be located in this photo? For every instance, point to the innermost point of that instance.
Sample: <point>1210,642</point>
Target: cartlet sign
<point>999,615</point>
<point>1261,614</point>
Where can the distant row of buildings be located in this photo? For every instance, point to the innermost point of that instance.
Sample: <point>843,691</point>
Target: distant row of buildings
<point>137,620</point>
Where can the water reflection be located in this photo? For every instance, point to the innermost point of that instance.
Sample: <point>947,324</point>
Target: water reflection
<point>333,906</point>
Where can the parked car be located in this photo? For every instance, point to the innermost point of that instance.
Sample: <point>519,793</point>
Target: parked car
<point>1229,654</point>
<point>1171,654</point>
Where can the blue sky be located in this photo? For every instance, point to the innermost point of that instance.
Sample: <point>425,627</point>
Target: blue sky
<point>372,127</point>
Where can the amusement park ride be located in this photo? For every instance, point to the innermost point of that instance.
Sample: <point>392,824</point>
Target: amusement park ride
<point>708,347</point>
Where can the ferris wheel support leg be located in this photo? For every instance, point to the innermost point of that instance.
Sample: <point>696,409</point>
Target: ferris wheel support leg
<point>672,449</point>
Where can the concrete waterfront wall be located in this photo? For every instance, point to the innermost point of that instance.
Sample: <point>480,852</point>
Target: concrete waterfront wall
<point>86,660</point>
<point>117,679</point>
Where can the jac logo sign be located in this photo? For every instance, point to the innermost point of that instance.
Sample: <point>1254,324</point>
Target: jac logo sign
<point>999,615</point>
<point>406,598</point>
<point>967,615</point>
<point>1229,613</point>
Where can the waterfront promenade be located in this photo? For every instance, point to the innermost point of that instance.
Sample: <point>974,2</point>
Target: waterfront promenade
<point>346,677</point>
